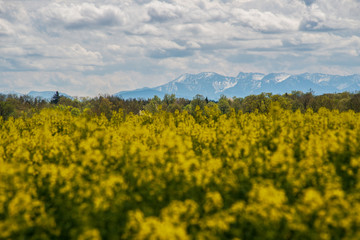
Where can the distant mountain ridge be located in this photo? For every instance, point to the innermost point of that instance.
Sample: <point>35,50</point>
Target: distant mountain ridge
<point>46,95</point>
<point>213,85</point>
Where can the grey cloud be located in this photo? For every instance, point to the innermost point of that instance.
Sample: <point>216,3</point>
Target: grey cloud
<point>264,49</point>
<point>82,16</point>
<point>266,22</point>
<point>162,11</point>
<point>341,59</point>
<point>315,20</point>
<point>218,46</point>
<point>290,62</point>
<point>144,30</point>
<point>74,57</point>
<point>5,28</point>
<point>12,17</point>
<point>245,58</point>
<point>168,53</point>
<point>299,47</point>
<point>187,11</point>
<point>314,24</point>
<point>143,1</point>
<point>331,16</point>
<point>18,65</point>
<point>309,2</point>
<point>7,65</point>
<point>143,66</point>
<point>11,12</point>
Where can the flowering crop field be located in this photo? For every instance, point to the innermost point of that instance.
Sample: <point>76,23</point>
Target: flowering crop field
<point>279,175</point>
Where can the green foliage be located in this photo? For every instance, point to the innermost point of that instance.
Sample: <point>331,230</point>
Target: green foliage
<point>354,102</point>
<point>103,106</point>
<point>18,106</point>
<point>154,105</point>
<point>197,101</point>
<point>260,103</point>
<point>169,99</point>
<point>6,109</point>
<point>223,104</point>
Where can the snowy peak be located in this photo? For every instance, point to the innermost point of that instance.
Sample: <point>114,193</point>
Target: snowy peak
<point>207,83</point>
<point>280,77</point>
<point>194,78</point>
<point>220,86</point>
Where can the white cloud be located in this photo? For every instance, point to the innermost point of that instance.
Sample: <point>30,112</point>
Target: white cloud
<point>146,29</point>
<point>267,22</point>
<point>5,28</point>
<point>93,46</point>
<point>12,51</point>
<point>162,11</point>
<point>79,16</point>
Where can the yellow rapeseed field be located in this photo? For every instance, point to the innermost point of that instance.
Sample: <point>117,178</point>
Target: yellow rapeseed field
<point>279,175</point>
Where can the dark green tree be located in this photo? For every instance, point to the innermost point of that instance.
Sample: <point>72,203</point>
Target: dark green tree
<point>354,102</point>
<point>56,98</point>
<point>6,108</point>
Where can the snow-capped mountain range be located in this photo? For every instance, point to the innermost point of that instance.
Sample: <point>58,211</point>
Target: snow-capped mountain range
<point>213,85</point>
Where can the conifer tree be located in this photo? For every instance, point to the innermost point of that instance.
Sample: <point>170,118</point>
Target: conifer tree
<point>56,98</point>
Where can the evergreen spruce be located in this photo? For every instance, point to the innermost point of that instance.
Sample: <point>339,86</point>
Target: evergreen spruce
<point>56,98</point>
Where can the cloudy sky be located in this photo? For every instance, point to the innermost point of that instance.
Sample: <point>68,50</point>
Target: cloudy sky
<point>86,48</point>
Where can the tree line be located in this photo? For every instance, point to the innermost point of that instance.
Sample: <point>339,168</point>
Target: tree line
<point>17,106</point>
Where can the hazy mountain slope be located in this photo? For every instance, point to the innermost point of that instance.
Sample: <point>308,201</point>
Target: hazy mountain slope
<point>47,95</point>
<point>144,93</point>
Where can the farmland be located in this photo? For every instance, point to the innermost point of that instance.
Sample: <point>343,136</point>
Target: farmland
<point>282,174</point>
